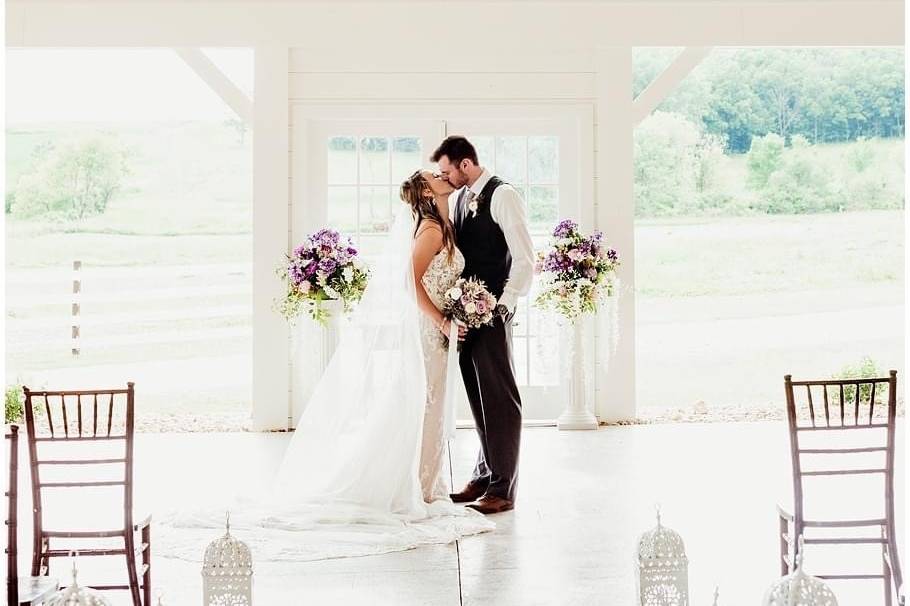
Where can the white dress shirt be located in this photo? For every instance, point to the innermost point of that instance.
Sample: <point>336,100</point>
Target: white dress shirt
<point>507,210</point>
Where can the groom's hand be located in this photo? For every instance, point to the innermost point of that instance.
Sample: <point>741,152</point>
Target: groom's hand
<point>503,312</point>
<point>446,325</point>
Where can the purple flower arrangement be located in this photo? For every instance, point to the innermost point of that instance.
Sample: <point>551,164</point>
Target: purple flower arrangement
<point>576,271</point>
<point>326,267</point>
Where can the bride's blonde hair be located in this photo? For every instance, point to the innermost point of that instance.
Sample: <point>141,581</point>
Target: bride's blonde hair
<point>413,192</point>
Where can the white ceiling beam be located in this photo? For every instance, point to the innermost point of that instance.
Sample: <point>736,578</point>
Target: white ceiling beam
<point>667,81</point>
<point>229,92</point>
<point>316,26</point>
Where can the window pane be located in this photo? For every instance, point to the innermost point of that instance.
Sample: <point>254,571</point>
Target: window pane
<point>342,211</point>
<point>520,358</point>
<point>375,215</point>
<point>542,207</point>
<point>520,322</point>
<point>374,160</point>
<point>543,159</point>
<point>342,161</point>
<point>485,155</point>
<point>510,159</point>
<point>406,158</point>
<point>522,191</point>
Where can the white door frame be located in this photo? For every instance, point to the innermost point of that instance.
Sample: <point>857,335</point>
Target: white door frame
<point>313,121</point>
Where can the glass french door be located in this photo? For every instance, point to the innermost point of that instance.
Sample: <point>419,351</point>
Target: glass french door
<point>356,168</point>
<point>537,157</point>
<point>351,171</point>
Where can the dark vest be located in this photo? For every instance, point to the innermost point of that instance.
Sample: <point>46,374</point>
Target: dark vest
<point>482,242</point>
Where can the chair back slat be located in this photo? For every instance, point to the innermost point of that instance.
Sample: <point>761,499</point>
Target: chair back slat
<point>841,404</point>
<point>811,407</point>
<point>110,415</point>
<point>827,415</point>
<point>871,403</point>
<point>50,417</point>
<point>856,403</point>
<point>66,425</point>
<point>79,409</point>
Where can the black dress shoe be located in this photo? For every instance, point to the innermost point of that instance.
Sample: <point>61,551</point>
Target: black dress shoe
<point>469,493</point>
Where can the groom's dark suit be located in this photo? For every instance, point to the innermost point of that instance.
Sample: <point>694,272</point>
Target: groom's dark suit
<point>486,354</point>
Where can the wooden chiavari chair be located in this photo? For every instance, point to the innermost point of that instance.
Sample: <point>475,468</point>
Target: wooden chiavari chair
<point>79,418</point>
<point>20,590</point>
<point>818,414</point>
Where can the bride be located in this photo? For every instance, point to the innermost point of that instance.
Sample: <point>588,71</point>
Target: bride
<point>365,471</point>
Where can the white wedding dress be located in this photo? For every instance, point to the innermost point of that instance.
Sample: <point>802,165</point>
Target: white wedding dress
<point>439,277</point>
<point>365,470</point>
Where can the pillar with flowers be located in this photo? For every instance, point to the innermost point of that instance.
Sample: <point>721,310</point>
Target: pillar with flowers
<point>578,279</point>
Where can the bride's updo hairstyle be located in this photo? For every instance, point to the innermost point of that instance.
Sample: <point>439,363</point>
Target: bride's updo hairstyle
<point>416,193</point>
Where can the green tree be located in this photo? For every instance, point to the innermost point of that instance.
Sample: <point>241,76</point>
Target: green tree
<point>15,404</point>
<point>73,181</point>
<point>861,155</point>
<point>764,158</point>
<point>801,184</point>
<point>665,165</point>
<point>824,94</point>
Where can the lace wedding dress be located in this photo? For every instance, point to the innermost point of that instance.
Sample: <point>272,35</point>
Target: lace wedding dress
<point>364,472</point>
<point>441,274</point>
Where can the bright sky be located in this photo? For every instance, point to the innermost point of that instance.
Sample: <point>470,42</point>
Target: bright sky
<point>116,85</point>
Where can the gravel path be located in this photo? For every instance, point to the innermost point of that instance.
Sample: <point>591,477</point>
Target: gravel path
<point>697,413</point>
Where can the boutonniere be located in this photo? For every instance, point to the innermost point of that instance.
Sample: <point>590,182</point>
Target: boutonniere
<point>473,207</point>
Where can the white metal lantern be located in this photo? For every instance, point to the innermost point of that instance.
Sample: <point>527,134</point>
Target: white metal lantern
<point>77,596</point>
<point>227,572</point>
<point>798,588</point>
<point>663,568</point>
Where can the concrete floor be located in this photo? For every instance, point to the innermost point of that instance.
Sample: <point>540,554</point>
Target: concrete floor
<point>584,498</point>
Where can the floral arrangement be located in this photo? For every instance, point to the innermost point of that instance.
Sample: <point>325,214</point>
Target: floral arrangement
<point>469,303</point>
<point>326,267</point>
<point>577,272</point>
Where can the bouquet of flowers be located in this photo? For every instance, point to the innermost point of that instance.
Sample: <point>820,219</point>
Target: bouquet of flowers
<point>324,268</point>
<point>577,272</point>
<point>469,303</point>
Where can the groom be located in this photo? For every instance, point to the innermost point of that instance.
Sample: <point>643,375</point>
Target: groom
<point>491,230</point>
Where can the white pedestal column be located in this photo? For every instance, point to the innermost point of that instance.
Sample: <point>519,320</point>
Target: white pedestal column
<point>330,330</point>
<point>576,414</point>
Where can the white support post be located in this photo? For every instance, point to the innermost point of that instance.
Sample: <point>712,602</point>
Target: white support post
<point>270,228</point>
<point>616,217</point>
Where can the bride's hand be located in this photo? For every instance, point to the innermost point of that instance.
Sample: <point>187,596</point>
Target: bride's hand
<point>446,326</point>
